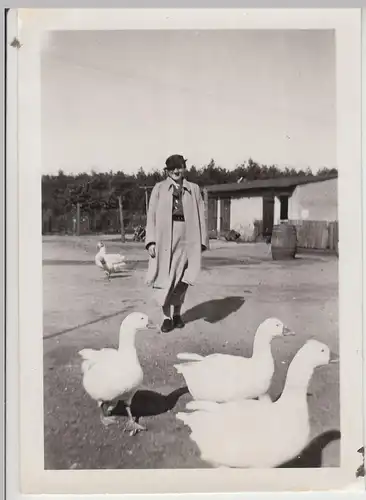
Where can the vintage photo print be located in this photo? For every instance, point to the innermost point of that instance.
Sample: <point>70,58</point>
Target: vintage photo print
<point>189,199</point>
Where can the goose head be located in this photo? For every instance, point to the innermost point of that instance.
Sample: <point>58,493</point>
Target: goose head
<point>129,327</point>
<point>311,355</point>
<point>273,327</point>
<point>316,353</point>
<point>135,321</point>
<point>100,245</point>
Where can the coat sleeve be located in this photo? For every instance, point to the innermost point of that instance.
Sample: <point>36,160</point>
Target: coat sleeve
<point>202,219</point>
<point>151,217</point>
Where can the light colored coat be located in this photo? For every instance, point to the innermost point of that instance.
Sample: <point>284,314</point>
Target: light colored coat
<point>159,231</point>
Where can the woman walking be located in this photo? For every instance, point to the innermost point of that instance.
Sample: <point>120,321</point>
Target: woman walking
<point>175,238</point>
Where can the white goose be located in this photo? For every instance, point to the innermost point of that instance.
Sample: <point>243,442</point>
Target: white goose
<point>225,377</point>
<point>110,263</point>
<point>258,434</point>
<point>112,375</point>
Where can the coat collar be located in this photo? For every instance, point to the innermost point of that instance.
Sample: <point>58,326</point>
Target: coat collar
<point>171,183</point>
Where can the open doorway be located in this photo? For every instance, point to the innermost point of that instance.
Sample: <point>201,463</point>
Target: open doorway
<point>225,207</point>
<point>268,216</point>
<point>284,207</point>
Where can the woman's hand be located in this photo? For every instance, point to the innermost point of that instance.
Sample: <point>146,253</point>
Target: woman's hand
<point>152,251</point>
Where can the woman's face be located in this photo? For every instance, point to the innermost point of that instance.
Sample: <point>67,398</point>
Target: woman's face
<point>176,174</point>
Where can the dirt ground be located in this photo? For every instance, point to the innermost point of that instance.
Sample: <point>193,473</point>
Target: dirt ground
<point>239,287</point>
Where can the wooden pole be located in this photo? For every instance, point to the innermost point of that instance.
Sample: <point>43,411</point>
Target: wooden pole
<point>219,218</point>
<point>205,199</point>
<point>146,200</point>
<point>123,236</point>
<point>77,219</point>
<point>146,189</point>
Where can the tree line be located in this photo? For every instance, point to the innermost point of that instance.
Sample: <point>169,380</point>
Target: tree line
<point>100,191</point>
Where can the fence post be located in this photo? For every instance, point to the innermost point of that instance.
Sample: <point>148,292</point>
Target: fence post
<point>205,199</point>
<point>123,236</point>
<point>330,235</point>
<point>77,219</point>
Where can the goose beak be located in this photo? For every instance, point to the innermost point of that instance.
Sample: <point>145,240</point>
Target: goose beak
<point>150,326</point>
<point>334,358</point>
<point>286,331</point>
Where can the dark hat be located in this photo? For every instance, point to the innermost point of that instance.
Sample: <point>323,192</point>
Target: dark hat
<point>175,161</point>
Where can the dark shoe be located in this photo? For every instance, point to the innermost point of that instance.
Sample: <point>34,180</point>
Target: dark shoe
<point>178,322</point>
<point>167,326</point>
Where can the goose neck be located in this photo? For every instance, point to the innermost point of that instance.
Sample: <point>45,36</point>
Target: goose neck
<point>127,338</point>
<point>262,343</point>
<point>297,381</point>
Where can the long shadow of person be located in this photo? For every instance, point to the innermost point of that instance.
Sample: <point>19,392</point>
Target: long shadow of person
<point>311,456</point>
<point>214,310</point>
<point>148,403</point>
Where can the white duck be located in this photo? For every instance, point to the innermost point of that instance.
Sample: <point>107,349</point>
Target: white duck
<point>112,375</point>
<point>258,434</point>
<point>225,377</point>
<point>110,263</point>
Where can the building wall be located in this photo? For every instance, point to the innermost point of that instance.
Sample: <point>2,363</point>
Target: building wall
<point>277,210</point>
<point>317,201</point>
<point>243,213</point>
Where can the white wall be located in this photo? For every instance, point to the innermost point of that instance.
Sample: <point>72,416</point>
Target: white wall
<point>317,201</point>
<point>243,213</point>
<point>277,210</point>
<point>218,215</point>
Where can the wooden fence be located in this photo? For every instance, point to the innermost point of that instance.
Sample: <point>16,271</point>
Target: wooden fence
<point>317,235</point>
<point>96,222</point>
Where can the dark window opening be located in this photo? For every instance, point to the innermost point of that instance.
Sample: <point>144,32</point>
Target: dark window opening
<point>284,207</point>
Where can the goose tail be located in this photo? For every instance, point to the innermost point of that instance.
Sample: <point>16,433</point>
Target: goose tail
<point>184,417</point>
<point>190,356</point>
<point>86,365</point>
<point>210,406</point>
<point>119,266</point>
<point>87,354</point>
<point>179,368</point>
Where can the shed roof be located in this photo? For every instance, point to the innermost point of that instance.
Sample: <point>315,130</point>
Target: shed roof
<point>277,182</point>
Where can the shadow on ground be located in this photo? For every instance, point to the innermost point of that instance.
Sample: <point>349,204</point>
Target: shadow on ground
<point>88,323</point>
<point>150,403</point>
<point>214,310</point>
<point>311,456</point>
<point>119,276</point>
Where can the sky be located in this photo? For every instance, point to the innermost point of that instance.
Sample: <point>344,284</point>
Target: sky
<point>121,100</point>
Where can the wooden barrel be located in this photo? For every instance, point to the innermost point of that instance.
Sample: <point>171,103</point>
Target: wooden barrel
<point>283,242</point>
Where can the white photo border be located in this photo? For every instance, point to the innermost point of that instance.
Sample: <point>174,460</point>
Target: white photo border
<point>29,344</point>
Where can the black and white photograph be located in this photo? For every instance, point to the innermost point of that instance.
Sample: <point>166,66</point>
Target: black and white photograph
<point>191,240</point>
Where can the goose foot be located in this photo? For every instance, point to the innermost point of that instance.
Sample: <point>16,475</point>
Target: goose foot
<point>107,420</point>
<point>133,427</point>
<point>106,416</point>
